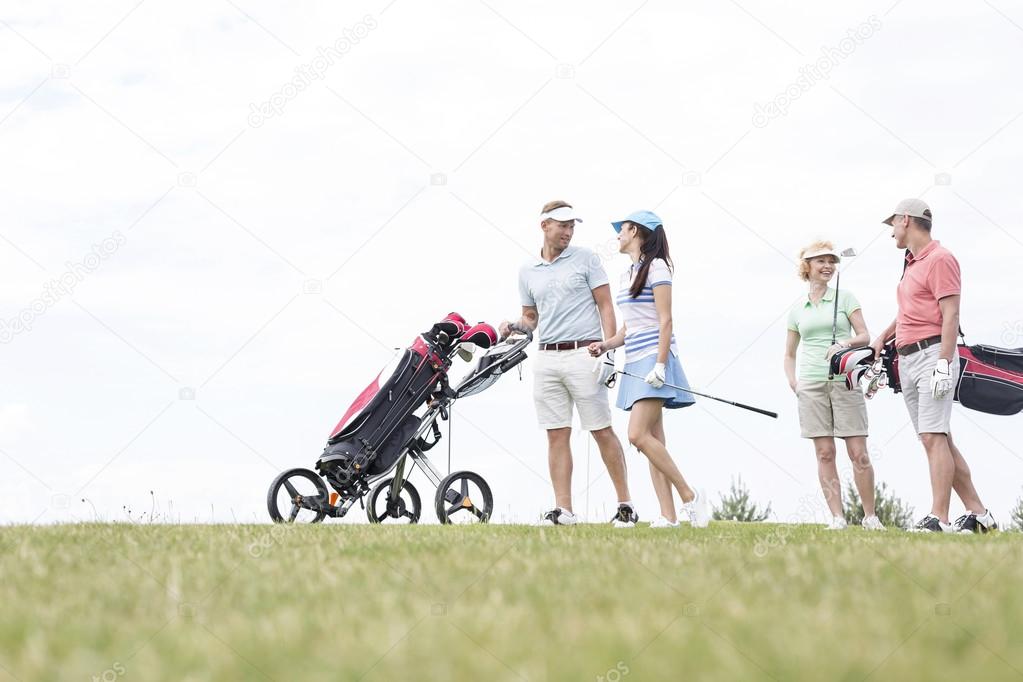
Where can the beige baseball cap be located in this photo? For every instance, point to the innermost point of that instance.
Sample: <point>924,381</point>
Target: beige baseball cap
<point>911,207</point>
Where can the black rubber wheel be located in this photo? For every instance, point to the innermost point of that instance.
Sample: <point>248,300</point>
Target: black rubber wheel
<point>457,502</point>
<point>294,492</point>
<point>405,509</point>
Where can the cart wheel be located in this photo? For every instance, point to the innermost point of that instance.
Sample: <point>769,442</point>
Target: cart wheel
<point>464,497</point>
<point>405,509</point>
<point>297,496</point>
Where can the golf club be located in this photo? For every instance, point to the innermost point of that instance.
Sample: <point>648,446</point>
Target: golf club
<point>847,253</point>
<point>773,415</point>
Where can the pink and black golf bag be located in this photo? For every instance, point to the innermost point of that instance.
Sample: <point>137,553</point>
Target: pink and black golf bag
<point>990,379</point>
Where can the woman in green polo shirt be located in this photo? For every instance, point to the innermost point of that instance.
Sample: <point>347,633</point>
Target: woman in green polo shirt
<point>827,409</point>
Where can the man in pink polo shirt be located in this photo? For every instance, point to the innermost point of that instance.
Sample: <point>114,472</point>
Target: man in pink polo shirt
<point>925,332</point>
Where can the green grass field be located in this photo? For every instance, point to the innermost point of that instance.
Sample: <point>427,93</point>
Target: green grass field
<point>340,602</point>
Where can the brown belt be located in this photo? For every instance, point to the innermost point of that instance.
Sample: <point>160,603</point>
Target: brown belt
<point>918,346</point>
<point>567,345</point>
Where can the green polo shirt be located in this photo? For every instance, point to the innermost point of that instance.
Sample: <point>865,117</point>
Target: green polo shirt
<point>813,324</point>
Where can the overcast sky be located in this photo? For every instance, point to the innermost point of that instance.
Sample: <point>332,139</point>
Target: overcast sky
<point>250,206</point>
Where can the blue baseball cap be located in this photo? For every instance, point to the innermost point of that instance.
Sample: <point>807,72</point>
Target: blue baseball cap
<point>647,219</point>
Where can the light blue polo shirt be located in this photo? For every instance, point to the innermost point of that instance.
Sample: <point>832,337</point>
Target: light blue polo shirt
<point>562,292</point>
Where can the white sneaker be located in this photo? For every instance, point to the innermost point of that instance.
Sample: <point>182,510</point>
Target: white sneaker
<point>559,517</point>
<point>662,522</point>
<point>697,510</point>
<point>837,523</point>
<point>872,523</point>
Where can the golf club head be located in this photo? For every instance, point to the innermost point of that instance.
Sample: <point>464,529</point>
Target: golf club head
<point>848,253</point>
<point>875,383</point>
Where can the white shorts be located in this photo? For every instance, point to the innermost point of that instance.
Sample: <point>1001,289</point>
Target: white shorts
<point>928,415</point>
<point>566,377</point>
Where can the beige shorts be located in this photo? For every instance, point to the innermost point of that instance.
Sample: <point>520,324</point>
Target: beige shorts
<point>563,378</point>
<point>928,415</point>
<point>828,408</point>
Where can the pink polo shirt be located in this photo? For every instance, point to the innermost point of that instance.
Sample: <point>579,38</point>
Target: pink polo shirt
<point>930,276</point>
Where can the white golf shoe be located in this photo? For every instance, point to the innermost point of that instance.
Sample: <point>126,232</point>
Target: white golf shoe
<point>872,523</point>
<point>662,522</point>
<point>697,510</point>
<point>837,523</point>
<point>559,517</point>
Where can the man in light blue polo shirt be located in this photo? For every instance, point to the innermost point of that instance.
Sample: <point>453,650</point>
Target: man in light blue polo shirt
<point>565,292</point>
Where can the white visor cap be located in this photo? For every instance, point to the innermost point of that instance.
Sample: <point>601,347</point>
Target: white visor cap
<point>562,215</point>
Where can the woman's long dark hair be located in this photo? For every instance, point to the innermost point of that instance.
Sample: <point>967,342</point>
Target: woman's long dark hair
<point>655,245</point>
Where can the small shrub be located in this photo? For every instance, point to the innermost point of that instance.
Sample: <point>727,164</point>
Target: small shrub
<point>736,505</point>
<point>893,512</point>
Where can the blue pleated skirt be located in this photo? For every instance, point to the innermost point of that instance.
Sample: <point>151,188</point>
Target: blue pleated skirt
<point>630,389</point>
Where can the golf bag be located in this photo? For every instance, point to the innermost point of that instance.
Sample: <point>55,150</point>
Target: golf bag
<point>387,431</point>
<point>990,379</point>
<point>372,434</point>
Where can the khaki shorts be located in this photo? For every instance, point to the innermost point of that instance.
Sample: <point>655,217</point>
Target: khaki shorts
<point>563,378</point>
<point>928,415</point>
<point>828,408</point>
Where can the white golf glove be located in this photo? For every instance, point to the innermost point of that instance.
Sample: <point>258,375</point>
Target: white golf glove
<point>941,380</point>
<point>605,367</point>
<point>656,376</point>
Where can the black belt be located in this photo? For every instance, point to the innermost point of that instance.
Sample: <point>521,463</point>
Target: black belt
<point>567,345</point>
<point>918,346</point>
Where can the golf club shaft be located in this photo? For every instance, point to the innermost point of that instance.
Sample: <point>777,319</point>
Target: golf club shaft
<point>847,253</point>
<point>773,415</point>
<point>834,320</point>
<point>834,317</point>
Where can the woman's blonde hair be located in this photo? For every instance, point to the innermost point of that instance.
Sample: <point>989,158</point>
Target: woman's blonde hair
<point>803,268</point>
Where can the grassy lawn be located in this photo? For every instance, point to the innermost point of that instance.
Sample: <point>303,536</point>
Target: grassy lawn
<point>732,602</point>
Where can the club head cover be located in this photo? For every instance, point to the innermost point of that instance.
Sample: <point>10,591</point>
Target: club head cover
<point>854,376</point>
<point>846,359</point>
<point>481,335</point>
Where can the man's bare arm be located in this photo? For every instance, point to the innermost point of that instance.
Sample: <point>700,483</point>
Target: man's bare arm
<point>602,296</point>
<point>949,325</point>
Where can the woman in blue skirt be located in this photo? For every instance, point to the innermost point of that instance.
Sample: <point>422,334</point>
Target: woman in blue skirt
<point>650,351</point>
